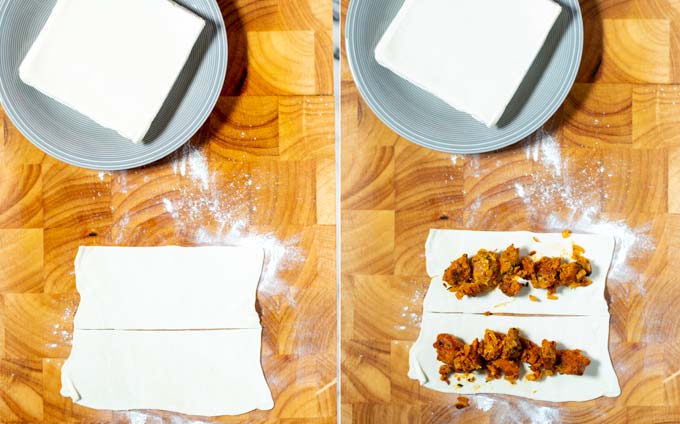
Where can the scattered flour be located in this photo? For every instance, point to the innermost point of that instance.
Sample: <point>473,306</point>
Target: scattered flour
<point>122,178</point>
<point>417,295</point>
<point>68,314</point>
<point>59,332</point>
<point>475,165</point>
<point>194,164</point>
<point>121,227</point>
<point>226,206</point>
<point>471,211</point>
<point>136,417</point>
<point>484,403</point>
<point>552,187</point>
<point>519,188</point>
<point>180,420</point>
<point>517,411</point>
<point>631,243</point>
<point>545,149</point>
<point>170,208</point>
<point>280,255</point>
<point>139,417</point>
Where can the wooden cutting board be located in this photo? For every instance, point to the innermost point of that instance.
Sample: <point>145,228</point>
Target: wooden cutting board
<point>608,162</point>
<point>260,171</point>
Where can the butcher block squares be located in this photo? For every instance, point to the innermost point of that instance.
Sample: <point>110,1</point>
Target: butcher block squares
<point>636,50</point>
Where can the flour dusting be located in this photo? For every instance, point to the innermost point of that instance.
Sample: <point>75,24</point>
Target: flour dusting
<point>280,255</point>
<point>135,417</point>
<point>484,403</point>
<point>475,164</point>
<point>557,185</point>
<point>122,178</point>
<point>552,186</point>
<point>631,243</point>
<point>194,164</point>
<point>517,411</point>
<point>472,210</point>
<point>170,208</point>
<point>138,417</point>
<point>66,337</point>
<point>544,148</point>
<point>121,227</point>
<point>226,205</point>
<point>180,420</point>
<point>205,200</point>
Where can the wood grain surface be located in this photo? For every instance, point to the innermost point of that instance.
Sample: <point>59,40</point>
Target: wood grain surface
<point>260,171</point>
<point>608,162</point>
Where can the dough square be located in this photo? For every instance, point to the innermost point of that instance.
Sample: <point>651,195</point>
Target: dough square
<point>171,328</point>
<point>445,246</point>
<point>473,54</point>
<point>578,319</point>
<point>114,61</point>
<point>588,333</point>
<point>207,373</point>
<point>214,287</point>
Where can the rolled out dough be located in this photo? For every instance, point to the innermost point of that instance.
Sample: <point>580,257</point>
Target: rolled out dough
<point>590,334</point>
<point>152,288</point>
<point>167,328</point>
<point>444,246</point>
<point>579,319</point>
<point>212,372</point>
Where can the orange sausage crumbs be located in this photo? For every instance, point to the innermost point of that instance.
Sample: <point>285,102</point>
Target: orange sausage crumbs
<point>501,355</point>
<point>463,402</point>
<point>509,272</point>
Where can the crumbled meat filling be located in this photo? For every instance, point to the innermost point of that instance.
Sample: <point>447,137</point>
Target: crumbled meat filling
<point>459,272</point>
<point>500,355</point>
<point>512,345</point>
<point>572,362</point>
<point>447,346</point>
<point>510,286</point>
<point>492,345</point>
<point>548,356</point>
<point>546,273</point>
<point>487,270</point>
<point>463,402</point>
<point>528,269</point>
<point>509,260</point>
<point>467,359</point>
<point>509,368</point>
<point>572,274</point>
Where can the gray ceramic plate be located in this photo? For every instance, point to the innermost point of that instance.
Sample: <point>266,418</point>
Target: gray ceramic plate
<point>71,137</point>
<point>424,119</point>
